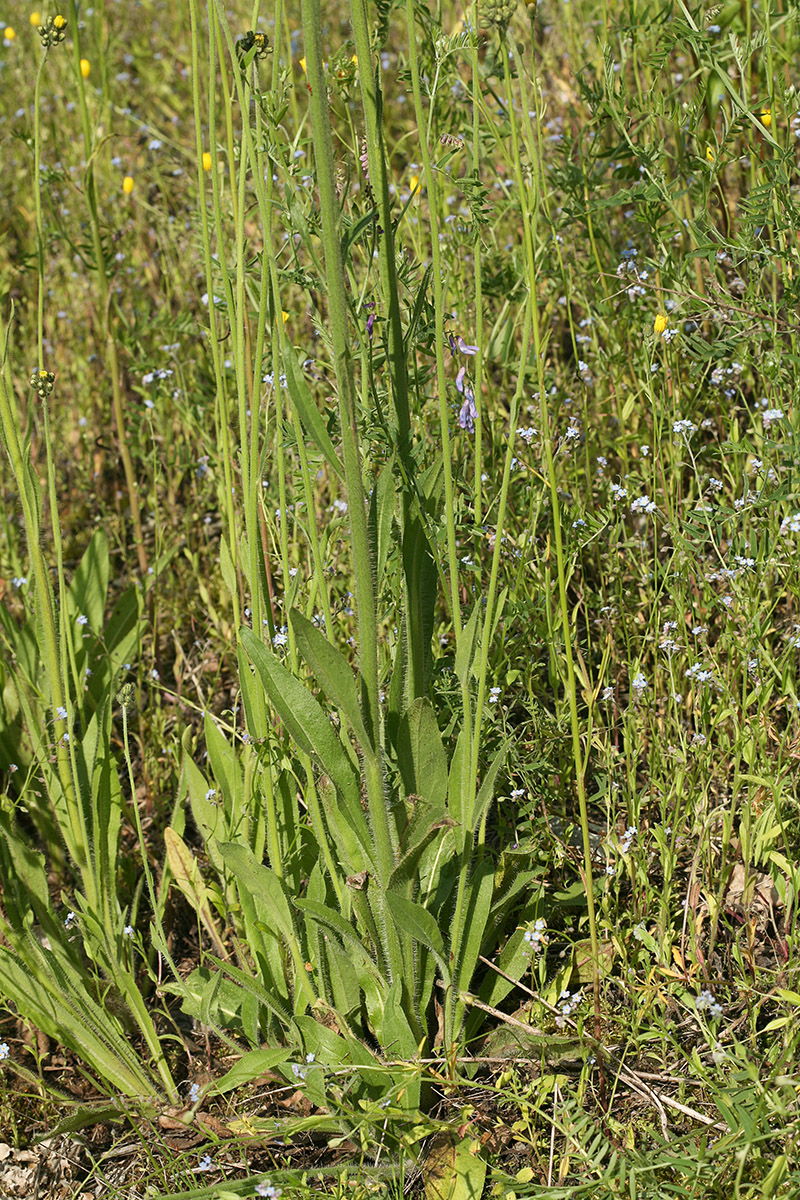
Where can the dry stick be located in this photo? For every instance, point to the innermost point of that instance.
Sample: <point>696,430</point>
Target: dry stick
<point>632,1078</point>
<point>506,1018</point>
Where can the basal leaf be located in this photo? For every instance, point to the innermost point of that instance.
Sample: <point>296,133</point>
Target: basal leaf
<point>420,754</point>
<point>332,672</point>
<point>415,920</point>
<point>302,715</point>
<point>249,1067</point>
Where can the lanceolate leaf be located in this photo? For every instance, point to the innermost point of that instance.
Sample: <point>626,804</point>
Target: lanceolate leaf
<point>415,920</point>
<point>486,791</point>
<point>453,1170</point>
<point>332,671</point>
<point>325,916</point>
<point>466,941</point>
<point>89,585</point>
<point>467,647</point>
<point>306,409</point>
<point>302,715</point>
<point>248,1068</point>
<point>420,754</point>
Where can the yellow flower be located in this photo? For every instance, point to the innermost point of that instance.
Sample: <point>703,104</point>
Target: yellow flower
<point>208,162</point>
<point>303,65</point>
<point>9,34</point>
<point>35,18</point>
<point>413,182</point>
<point>285,315</point>
<point>710,154</point>
<point>766,117</point>
<point>127,185</point>
<point>660,323</point>
<point>86,68</point>
<point>59,21</point>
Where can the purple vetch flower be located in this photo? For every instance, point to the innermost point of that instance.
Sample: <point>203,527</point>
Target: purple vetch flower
<point>370,323</point>
<point>458,343</point>
<point>363,158</point>
<point>468,413</point>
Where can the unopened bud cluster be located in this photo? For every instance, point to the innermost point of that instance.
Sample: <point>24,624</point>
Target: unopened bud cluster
<point>53,31</point>
<point>42,383</point>
<point>249,41</point>
<point>499,12</point>
<point>126,697</point>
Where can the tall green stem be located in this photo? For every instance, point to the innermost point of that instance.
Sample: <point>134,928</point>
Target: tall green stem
<point>371,99</point>
<point>385,836</point>
<point>438,302</point>
<point>104,306</point>
<point>529,219</point>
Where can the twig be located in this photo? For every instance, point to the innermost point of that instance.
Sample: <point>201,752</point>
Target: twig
<point>632,1078</point>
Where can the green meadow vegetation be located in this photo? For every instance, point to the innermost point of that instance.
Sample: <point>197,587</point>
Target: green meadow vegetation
<point>399,546</point>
